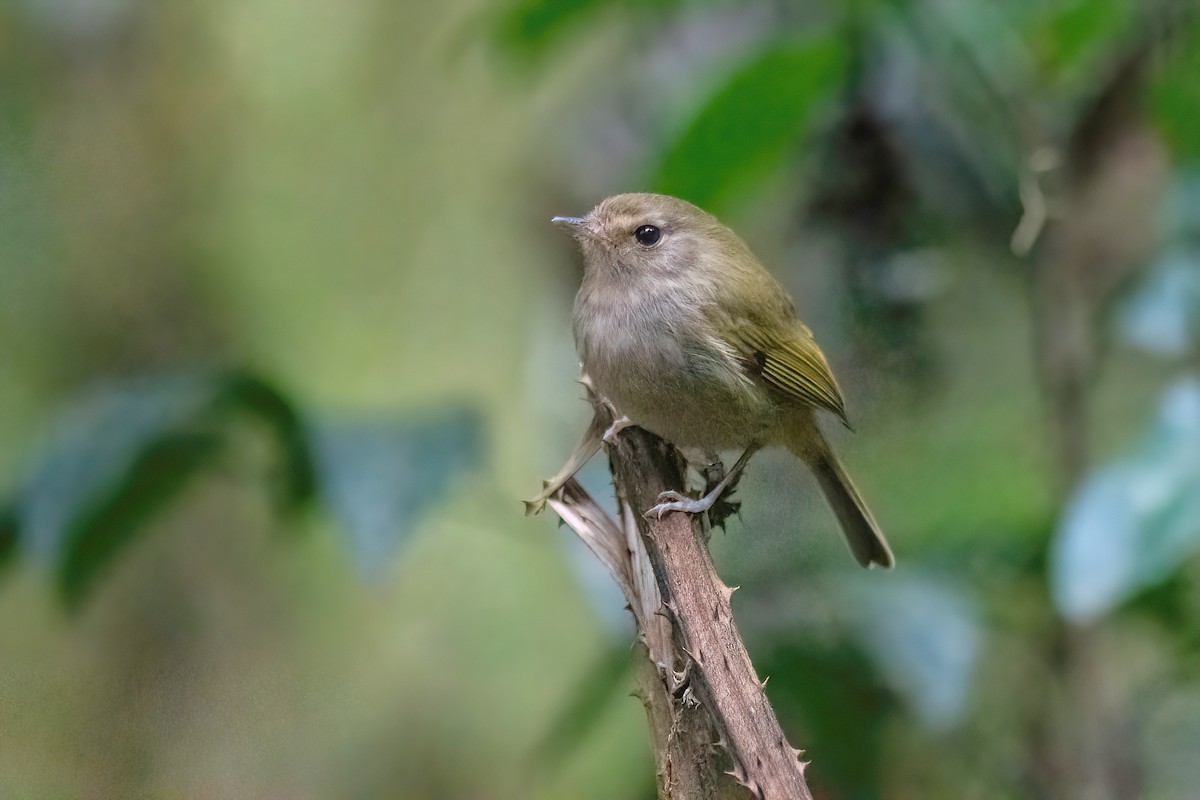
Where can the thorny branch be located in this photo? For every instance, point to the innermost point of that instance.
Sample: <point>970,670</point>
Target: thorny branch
<point>706,709</point>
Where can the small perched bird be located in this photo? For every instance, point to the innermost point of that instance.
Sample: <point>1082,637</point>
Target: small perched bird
<point>685,333</point>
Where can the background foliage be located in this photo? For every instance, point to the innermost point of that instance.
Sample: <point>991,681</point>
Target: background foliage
<point>284,337</point>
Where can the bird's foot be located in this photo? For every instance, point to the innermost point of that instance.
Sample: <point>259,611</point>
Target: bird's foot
<point>674,501</point>
<point>610,435</point>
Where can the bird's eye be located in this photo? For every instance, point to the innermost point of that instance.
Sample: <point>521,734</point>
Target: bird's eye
<point>647,235</point>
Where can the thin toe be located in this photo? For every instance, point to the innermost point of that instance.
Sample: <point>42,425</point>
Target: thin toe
<point>674,501</point>
<point>659,510</point>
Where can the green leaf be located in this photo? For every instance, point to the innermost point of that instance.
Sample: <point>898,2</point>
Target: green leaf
<point>123,452</point>
<point>379,476</point>
<point>1175,97</point>
<point>103,528</point>
<point>1134,522</point>
<point>8,536</point>
<point>1073,33</point>
<point>752,122</point>
<point>830,690</point>
<point>529,28</point>
<point>241,392</point>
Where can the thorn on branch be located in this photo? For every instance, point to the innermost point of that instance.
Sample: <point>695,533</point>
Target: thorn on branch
<point>738,774</point>
<point>665,570</point>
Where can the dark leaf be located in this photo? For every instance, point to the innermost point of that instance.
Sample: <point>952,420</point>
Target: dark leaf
<point>158,473</point>
<point>1074,33</point>
<point>8,535</point>
<point>92,448</point>
<point>831,693</point>
<point>123,452</point>
<point>752,123</point>
<point>1175,95</point>
<point>243,392</point>
<point>530,27</point>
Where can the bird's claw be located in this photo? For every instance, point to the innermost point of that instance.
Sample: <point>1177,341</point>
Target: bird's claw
<point>674,501</point>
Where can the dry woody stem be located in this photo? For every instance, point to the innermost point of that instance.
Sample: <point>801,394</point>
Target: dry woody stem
<point>711,725</point>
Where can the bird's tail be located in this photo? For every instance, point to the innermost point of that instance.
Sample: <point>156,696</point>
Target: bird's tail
<point>858,525</point>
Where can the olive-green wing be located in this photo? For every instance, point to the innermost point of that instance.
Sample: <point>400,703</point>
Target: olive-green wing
<point>791,362</point>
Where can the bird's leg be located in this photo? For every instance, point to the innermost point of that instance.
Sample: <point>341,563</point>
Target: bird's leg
<point>725,506</point>
<point>674,501</point>
<point>713,472</point>
<point>618,425</point>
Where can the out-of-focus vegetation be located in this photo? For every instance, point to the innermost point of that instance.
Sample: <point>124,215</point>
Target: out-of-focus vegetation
<point>284,337</point>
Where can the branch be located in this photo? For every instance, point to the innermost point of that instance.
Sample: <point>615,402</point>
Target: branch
<point>706,709</point>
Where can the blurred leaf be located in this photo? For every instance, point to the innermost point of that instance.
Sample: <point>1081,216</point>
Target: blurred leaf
<point>1170,602</point>
<point>379,476</point>
<point>1183,208</point>
<point>1175,97</point>
<point>947,88</point>
<point>833,694</point>
<point>8,536</point>
<point>160,469</point>
<point>529,27</point>
<point>594,693</point>
<point>1071,33</point>
<point>1135,521</point>
<point>752,122</point>
<point>245,393</point>
<point>924,637</point>
<point>1163,316</point>
<point>93,458</point>
<point>122,452</point>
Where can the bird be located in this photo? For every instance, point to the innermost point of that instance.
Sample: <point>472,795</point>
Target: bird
<point>685,334</point>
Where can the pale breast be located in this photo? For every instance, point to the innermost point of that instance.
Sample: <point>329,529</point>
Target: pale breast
<point>658,363</point>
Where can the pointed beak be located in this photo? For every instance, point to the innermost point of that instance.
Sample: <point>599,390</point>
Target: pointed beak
<point>570,223</point>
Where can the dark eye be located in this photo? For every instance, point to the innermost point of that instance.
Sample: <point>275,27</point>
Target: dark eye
<point>647,235</point>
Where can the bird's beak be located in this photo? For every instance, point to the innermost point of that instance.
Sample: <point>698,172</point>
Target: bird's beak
<point>572,224</point>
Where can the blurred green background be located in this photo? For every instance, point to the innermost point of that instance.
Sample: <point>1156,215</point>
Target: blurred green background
<point>284,339</point>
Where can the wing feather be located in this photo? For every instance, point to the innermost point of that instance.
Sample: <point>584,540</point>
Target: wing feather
<point>793,364</point>
<point>758,320</point>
